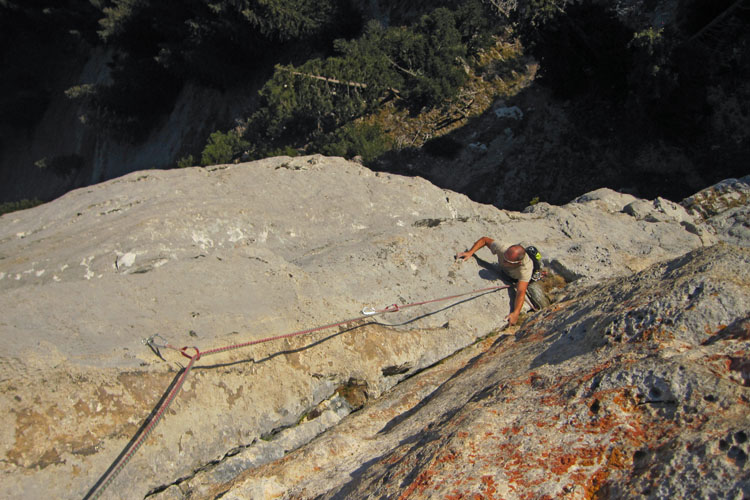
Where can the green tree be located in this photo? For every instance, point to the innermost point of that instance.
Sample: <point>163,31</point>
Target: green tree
<point>161,44</point>
<point>443,54</point>
<point>422,65</point>
<point>223,147</point>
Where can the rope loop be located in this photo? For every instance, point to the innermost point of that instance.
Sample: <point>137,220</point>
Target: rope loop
<point>195,356</point>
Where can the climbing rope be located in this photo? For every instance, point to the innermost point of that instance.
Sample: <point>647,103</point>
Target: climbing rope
<point>106,480</point>
<point>120,463</point>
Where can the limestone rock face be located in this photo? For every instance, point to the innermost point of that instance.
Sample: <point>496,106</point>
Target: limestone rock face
<point>637,387</point>
<point>217,257</point>
<point>725,207</point>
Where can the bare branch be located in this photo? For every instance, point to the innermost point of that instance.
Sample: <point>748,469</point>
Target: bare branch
<point>408,72</point>
<point>326,79</point>
<point>504,7</point>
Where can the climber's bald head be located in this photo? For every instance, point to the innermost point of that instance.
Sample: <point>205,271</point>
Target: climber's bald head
<point>514,254</point>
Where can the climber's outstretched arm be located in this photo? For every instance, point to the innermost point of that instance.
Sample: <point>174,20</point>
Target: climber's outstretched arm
<point>481,242</point>
<point>518,304</point>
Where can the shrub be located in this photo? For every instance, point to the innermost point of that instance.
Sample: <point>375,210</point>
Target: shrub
<point>283,151</point>
<point>223,148</point>
<point>365,140</point>
<point>14,206</point>
<point>186,161</point>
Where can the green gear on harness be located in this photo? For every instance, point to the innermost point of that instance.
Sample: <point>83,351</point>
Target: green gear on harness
<point>536,258</point>
<point>535,292</point>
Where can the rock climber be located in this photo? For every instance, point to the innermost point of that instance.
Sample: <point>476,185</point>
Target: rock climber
<point>514,262</point>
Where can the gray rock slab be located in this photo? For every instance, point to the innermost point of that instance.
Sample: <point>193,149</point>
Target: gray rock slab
<point>216,257</point>
<point>580,402</point>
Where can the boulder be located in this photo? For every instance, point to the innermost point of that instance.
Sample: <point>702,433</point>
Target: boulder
<point>214,258</point>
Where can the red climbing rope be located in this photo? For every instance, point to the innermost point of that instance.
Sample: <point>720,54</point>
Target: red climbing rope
<point>128,453</point>
<point>387,309</point>
<point>120,463</point>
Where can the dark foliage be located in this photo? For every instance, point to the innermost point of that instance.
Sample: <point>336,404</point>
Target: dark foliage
<point>582,50</point>
<point>62,165</point>
<point>443,147</point>
<point>160,45</point>
<point>648,91</point>
<point>37,39</point>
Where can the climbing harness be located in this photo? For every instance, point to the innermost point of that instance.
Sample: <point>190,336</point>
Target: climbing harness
<point>157,342</point>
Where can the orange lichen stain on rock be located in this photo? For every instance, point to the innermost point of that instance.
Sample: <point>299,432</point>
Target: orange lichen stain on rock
<point>456,495</point>
<point>739,330</point>
<point>603,424</point>
<point>656,334</point>
<point>736,366</point>
<point>623,398</point>
<point>560,464</point>
<point>395,457</point>
<point>490,488</point>
<point>553,399</point>
<point>587,457</point>
<point>711,331</point>
<point>616,460</point>
<point>594,371</point>
<point>420,484</point>
<point>473,454</point>
<point>535,335</point>
<point>448,456</point>
<point>592,488</point>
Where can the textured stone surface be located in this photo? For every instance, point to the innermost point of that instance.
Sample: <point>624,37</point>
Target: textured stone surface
<point>719,198</point>
<point>214,257</point>
<point>726,209</point>
<point>593,398</point>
